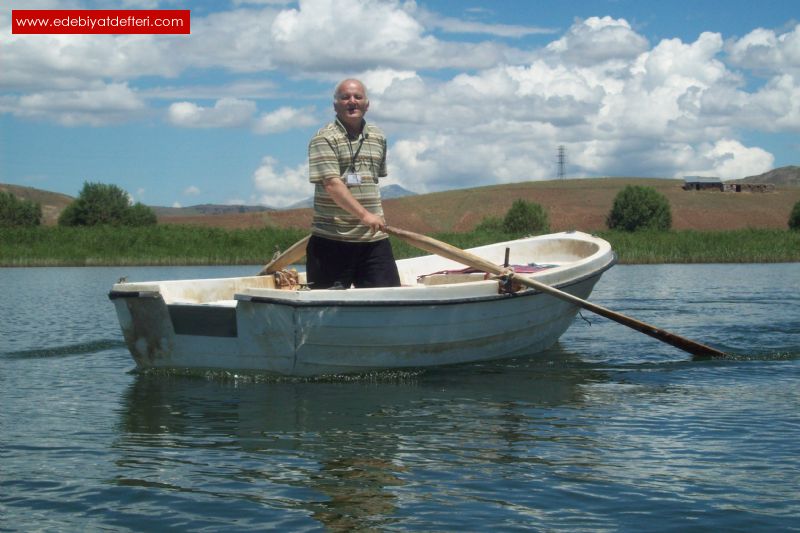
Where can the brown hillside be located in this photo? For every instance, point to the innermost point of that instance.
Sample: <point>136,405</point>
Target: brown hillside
<point>784,176</point>
<point>52,202</point>
<point>572,204</point>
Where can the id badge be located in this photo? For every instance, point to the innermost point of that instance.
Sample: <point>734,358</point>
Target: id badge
<point>352,178</point>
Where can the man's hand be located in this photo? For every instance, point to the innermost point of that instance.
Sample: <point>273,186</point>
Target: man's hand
<point>340,194</point>
<point>375,222</point>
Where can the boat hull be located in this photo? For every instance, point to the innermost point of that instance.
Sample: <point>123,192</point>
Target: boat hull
<point>312,333</point>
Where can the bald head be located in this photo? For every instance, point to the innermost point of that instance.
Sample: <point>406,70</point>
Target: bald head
<point>351,104</point>
<point>345,84</point>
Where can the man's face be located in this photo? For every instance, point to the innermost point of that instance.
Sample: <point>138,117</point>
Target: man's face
<point>351,103</point>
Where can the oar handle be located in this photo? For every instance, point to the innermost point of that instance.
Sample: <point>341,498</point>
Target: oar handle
<point>292,254</point>
<point>451,252</point>
<point>445,250</point>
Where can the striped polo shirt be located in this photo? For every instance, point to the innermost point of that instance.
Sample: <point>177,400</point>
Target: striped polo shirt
<point>331,153</point>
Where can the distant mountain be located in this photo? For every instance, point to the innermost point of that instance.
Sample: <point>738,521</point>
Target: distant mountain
<point>395,191</point>
<point>208,209</point>
<point>780,176</point>
<point>387,193</point>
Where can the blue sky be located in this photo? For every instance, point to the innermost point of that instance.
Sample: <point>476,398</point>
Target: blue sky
<point>470,93</point>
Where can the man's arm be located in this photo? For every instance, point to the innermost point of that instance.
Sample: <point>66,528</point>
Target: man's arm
<point>340,194</point>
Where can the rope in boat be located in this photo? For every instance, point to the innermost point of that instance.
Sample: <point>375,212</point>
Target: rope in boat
<point>287,280</point>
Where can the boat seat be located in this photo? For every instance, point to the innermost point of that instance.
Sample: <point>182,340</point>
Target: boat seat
<point>466,275</point>
<point>450,278</point>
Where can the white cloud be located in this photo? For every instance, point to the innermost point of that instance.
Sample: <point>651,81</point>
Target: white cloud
<point>775,107</point>
<point>303,38</point>
<point>673,63</point>
<point>191,190</point>
<point>248,46</point>
<point>226,113</point>
<point>299,39</point>
<point>307,30</point>
<point>663,114</point>
<point>598,39</point>
<point>455,25</point>
<point>282,119</point>
<point>439,161</point>
<point>281,187</point>
<point>778,105</point>
<point>97,105</point>
<point>766,52</point>
<point>730,159</point>
<point>32,62</point>
<point>378,80</point>
<point>237,113</point>
<point>660,98</point>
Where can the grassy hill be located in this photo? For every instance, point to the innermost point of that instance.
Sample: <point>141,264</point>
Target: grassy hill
<point>572,204</point>
<point>784,176</point>
<point>52,202</point>
<point>584,204</point>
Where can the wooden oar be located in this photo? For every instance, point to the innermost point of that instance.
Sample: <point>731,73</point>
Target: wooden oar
<point>291,255</point>
<point>451,252</point>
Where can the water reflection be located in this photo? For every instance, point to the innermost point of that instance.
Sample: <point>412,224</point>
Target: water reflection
<point>339,450</point>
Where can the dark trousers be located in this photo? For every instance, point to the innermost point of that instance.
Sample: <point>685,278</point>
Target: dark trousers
<point>361,264</point>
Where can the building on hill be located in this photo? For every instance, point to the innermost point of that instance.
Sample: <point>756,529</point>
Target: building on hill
<point>702,183</point>
<point>749,187</point>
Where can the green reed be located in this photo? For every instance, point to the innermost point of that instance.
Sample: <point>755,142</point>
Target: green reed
<point>191,245</point>
<point>150,245</point>
<point>686,246</point>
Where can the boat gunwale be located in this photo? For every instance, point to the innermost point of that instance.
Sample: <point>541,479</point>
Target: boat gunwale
<point>154,289</point>
<point>403,303</point>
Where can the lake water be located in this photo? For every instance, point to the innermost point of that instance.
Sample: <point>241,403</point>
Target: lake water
<point>610,430</point>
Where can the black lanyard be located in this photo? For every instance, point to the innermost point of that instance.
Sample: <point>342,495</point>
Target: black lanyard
<point>353,156</point>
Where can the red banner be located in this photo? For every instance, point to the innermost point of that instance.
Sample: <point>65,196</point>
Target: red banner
<point>100,21</point>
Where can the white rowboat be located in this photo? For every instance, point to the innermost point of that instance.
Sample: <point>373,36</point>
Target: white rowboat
<point>437,317</point>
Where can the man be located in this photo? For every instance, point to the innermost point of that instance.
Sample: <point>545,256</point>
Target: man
<point>346,158</point>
